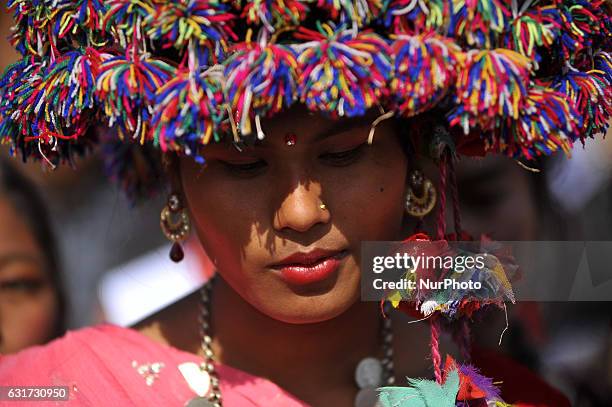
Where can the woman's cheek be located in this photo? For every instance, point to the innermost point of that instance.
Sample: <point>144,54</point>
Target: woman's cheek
<point>29,322</point>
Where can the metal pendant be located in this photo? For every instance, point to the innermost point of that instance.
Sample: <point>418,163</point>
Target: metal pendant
<point>367,397</point>
<point>196,377</point>
<point>199,402</point>
<point>369,373</point>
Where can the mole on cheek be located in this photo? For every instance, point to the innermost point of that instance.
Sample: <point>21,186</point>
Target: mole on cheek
<point>382,189</point>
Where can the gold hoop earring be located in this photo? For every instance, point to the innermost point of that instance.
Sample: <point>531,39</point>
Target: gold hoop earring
<point>421,196</point>
<point>175,224</point>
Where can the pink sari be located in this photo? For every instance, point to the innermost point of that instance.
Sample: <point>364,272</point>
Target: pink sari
<point>100,365</point>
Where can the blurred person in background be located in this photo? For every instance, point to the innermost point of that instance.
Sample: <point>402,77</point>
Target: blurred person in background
<point>32,300</point>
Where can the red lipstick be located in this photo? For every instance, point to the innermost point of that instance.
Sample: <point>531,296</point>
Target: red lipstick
<point>305,268</point>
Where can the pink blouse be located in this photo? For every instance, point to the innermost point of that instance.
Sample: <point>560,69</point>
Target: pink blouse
<point>107,365</point>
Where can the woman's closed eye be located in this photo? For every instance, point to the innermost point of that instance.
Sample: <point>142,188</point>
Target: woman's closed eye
<point>254,167</point>
<point>21,285</point>
<point>344,157</point>
<point>245,168</point>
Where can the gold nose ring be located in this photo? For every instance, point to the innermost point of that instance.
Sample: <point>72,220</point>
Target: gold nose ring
<point>323,206</point>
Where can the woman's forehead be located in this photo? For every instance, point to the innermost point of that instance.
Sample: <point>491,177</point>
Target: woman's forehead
<point>303,125</point>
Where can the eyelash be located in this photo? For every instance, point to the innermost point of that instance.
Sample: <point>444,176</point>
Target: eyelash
<point>23,285</point>
<point>343,158</point>
<point>339,159</point>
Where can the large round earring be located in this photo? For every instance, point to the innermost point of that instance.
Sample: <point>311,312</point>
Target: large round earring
<point>174,222</point>
<point>421,196</point>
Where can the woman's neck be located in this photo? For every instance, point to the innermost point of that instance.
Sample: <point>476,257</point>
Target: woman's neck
<point>250,340</point>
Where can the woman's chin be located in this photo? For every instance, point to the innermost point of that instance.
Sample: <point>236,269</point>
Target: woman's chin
<point>306,304</point>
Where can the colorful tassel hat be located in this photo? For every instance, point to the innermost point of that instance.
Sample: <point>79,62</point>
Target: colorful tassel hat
<point>524,78</point>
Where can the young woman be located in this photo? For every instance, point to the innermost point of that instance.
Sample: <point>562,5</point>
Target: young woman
<point>32,301</point>
<point>283,155</point>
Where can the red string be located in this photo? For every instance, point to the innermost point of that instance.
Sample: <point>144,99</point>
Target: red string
<point>466,343</point>
<point>441,223</point>
<point>435,347</point>
<point>455,198</point>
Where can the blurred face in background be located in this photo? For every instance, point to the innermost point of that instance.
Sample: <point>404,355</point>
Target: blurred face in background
<point>499,198</point>
<point>28,299</point>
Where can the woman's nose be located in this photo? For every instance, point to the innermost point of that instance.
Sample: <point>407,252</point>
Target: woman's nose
<point>302,208</point>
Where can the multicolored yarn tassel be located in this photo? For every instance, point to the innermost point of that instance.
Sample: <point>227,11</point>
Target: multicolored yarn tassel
<point>590,95</point>
<point>355,13</point>
<point>473,386</point>
<point>260,79</point>
<point>83,14</point>
<point>493,84</point>
<point>548,122</point>
<point>479,22</point>
<point>342,74</point>
<point>66,91</point>
<point>126,90</point>
<point>200,26</point>
<point>33,21</point>
<point>17,84</point>
<point>188,111</point>
<point>274,14</point>
<point>603,63</point>
<point>533,29</point>
<point>425,69</point>
<point>125,16</point>
<point>415,17</point>
<point>584,22</point>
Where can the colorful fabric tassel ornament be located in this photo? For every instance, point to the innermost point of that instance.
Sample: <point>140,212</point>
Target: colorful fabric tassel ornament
<point>341,73</point>
<point>425,69</point>
<point>422,393</point>
<point>126,90</point>
<point>353,13</point>
<point>125,19</point>
<point>200,26</point>
<point>589,93</point>
<point>274,14</point>
<point>533,30</point>
<point>67,90</point>
<point>416,17</point>
<point>18,83</point>
<point>260,79</point>
<point>548,122</point>
<point>188,111</point>
<point>479,22</point>
<point>585,22</point>
<point>492,85</point>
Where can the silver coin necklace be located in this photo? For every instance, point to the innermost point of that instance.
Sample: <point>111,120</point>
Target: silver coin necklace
<point>370,373</point>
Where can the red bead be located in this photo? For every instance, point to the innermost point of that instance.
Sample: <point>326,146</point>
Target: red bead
<point>176,252</point>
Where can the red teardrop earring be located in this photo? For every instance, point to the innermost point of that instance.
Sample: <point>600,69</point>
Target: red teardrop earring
<point>174,222</point>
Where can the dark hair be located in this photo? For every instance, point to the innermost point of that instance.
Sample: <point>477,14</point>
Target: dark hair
<point>23,196</point>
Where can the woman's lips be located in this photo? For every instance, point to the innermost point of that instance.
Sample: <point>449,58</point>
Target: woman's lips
<point>311,267</point>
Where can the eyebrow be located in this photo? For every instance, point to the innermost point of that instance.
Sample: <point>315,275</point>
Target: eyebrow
<point>18,257</point>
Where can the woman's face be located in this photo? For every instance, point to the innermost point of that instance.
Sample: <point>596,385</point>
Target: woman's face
<point>254,209</point>
<point>28,304</point>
